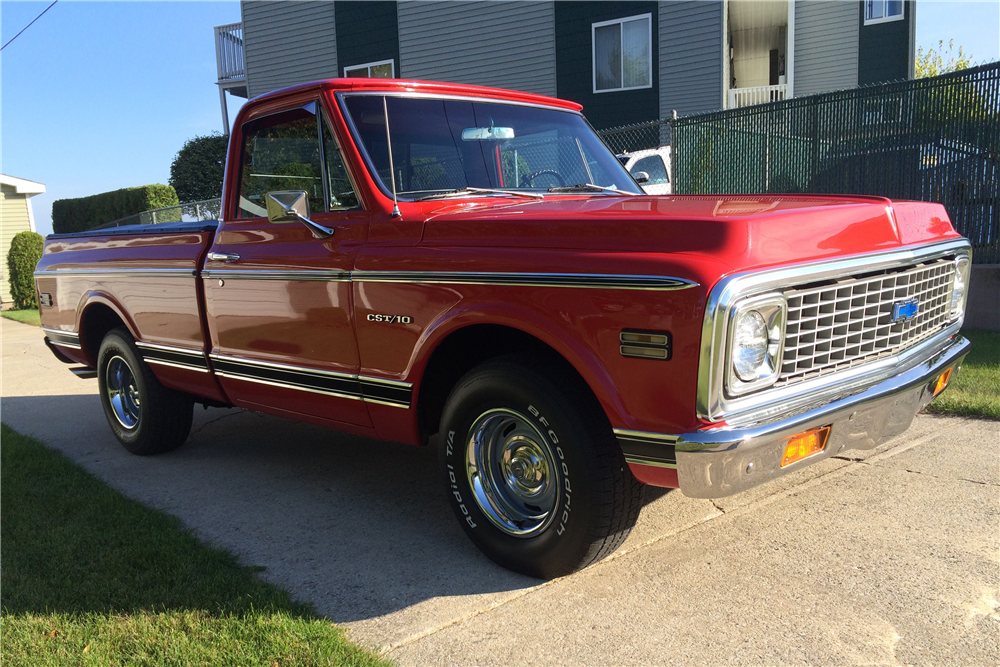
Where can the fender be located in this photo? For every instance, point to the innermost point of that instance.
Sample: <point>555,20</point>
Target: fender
<point>570,347</point>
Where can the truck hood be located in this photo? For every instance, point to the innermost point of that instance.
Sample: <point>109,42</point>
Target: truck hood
<point>743,232</point>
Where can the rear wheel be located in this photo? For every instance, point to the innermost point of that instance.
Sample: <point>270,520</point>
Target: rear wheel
<point>146,417</point>
<point>533,470</point>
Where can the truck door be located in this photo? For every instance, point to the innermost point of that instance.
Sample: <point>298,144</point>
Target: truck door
<point>278,298</point>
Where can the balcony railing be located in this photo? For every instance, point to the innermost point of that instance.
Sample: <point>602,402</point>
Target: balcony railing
<point>745,97</point>
<point>229,52</point>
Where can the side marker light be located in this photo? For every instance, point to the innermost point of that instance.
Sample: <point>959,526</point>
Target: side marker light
<point>942,382</point>
<point>805,444</point>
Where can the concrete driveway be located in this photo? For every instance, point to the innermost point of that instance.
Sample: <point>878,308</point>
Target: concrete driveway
<point>889,556</point>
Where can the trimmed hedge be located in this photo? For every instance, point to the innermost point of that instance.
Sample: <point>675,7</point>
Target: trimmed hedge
<point>25,251</point>
<point>83,213</point>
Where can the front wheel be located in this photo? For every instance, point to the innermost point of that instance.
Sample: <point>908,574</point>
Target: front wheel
<point>533,471</point>
<point>146,417</point>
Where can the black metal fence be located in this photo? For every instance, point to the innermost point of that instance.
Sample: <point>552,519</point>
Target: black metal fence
<point>935,139</point>
<point>628,138</point>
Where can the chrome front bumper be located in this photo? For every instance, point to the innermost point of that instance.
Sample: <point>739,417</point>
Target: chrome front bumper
<point>719,462</point>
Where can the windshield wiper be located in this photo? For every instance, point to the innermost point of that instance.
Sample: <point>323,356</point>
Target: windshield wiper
<point>480,191</point>
<point>590,187</point>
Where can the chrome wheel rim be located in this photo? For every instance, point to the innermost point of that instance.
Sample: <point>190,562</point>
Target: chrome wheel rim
<point>512,472</point>
<point>123,392</point>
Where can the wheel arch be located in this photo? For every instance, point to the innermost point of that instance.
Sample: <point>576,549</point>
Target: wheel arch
<point>99,314</point>
<point>456,346</point>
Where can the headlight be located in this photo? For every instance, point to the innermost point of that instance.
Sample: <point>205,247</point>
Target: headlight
<point>749,345</point>
<point>757,331</point>
<point>960,287</point>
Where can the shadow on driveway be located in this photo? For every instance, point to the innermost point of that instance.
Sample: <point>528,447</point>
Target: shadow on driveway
<point>359,527</point>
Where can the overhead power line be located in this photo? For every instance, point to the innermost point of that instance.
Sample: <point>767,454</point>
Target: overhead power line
<point>29,25</point>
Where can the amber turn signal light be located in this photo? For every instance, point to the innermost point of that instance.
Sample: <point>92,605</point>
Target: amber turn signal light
<point>805,444</point>
<point>942,382</point>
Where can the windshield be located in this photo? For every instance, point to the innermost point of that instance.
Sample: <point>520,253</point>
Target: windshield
<point>443,145</point>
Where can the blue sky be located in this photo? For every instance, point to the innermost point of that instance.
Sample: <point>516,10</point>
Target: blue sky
<point>98,96</point>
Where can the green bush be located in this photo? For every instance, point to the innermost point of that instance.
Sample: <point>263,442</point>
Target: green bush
<point>25,251</point>
<point>197,171</point>
<point>83,213</point>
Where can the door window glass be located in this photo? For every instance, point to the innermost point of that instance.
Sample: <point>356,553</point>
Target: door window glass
<point>342,195</point>
<point>281,152</point>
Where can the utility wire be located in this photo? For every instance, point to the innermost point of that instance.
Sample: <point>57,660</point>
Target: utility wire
<point>29,25</point>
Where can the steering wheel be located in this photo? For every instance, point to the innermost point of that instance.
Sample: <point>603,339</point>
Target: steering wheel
<point>526,181</point>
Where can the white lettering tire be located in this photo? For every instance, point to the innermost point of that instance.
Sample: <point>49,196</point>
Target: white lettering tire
<point>533,470</point>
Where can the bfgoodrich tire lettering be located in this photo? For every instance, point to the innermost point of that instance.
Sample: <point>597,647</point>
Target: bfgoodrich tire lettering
<point>146,417</point>
<point>532,469</point>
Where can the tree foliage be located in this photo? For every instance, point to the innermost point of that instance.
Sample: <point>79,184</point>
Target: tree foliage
<point>25,251</point>
<point>933,63</point>
<point>197,171</point>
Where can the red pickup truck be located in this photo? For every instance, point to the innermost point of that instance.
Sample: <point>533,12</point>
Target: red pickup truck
<point>473,268</point>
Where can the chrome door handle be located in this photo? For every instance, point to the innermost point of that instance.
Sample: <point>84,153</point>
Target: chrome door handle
<point>223,257</point>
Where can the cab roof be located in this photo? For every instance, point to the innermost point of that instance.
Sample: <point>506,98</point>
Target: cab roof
<point>421,87</point>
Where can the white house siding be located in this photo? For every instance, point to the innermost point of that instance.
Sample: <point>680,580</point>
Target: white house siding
<point>13,219</point>
<point>826,46</point>
<point>690,56</point>
<point>504,44</point>
<point>287,43</point>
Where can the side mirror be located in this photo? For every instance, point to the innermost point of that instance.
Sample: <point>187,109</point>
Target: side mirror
<point>292,206</point>
<point>287,206</point>
<point>641,177</point>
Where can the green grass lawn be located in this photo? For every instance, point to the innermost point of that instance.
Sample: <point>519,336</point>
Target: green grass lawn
<point>93,578</point>
<point>976,390</point>
<point>26,316</point>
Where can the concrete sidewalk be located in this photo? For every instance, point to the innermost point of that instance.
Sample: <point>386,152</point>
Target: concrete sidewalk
<point>880,557</point>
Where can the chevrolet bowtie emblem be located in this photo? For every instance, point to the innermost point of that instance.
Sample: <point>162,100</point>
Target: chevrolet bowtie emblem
<point>904,310</point>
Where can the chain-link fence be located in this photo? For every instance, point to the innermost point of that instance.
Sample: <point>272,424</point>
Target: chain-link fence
<point>935,139</point>
<point>206,209</point>
<point>629,138</point>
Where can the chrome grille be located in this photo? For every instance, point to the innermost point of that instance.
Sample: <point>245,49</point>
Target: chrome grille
<point>848,322</point>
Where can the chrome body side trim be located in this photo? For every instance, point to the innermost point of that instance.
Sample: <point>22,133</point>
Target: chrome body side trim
<point>61,338</point>
<point>331,383</point>
<point>712,463</point>
<point>117,273</point>
<point>580,280</point>
<point>274,274</point>
<point>176,357</point>
<point>712,402</point>
<point>174,364</point>
<point>646,448</point>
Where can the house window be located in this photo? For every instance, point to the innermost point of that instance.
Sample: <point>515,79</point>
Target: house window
<point>383,69</point>
<point>622,53</point>
<point>882,11</point>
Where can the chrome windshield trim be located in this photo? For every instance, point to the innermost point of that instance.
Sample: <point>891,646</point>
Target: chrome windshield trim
<point>578,280</point>
<point>342,96</point>
<point>117,273</point>
<point>712,403</point>
<point>274,274</point>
